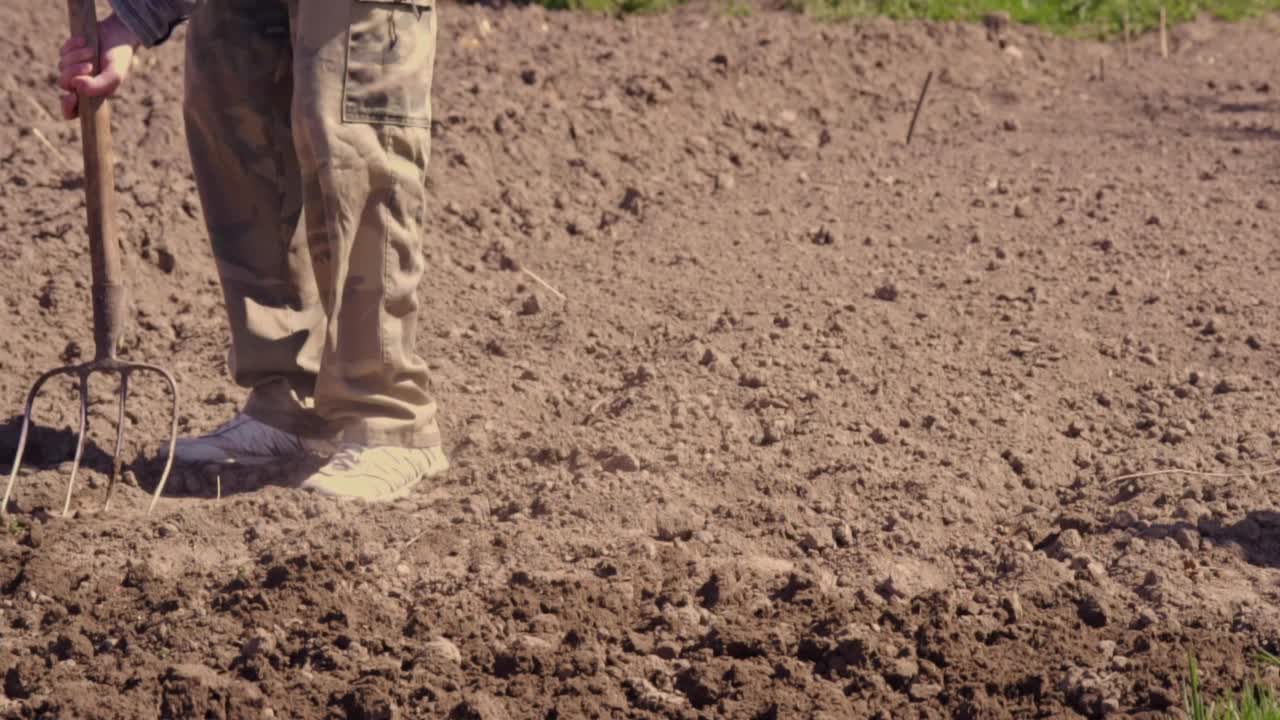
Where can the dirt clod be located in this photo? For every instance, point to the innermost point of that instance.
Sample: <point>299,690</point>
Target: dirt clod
<point>531,306</point>
<point>1012,605</point>
<point>441,649</point>
<point>678,523</point>
<point>1093,611</point>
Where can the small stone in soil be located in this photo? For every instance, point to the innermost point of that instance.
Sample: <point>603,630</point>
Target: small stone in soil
<point>842,534</point>
<point>677,523</point>
<point>1093,612</point>
<point>1069,542</point>
<point>443,649</point>
<point>1012,605</point>
<point>901,672</point>
<point>622,462</point>
<point>531,306</point>
<point>1187,538</point>
<point>924,691</point>
<point>817,538</point>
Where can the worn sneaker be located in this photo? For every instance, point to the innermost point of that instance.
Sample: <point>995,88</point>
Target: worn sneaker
<point>245,441</point>
<point>376,474</point>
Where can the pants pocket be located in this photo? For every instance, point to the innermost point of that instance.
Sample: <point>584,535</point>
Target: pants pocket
<point>391,48</point>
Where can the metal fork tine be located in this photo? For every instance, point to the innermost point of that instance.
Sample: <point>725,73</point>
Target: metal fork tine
<point>22,436</point>
<point>173,434</point>
<point>81,436</point>
<point>82,372</point>
<point>116,462</point>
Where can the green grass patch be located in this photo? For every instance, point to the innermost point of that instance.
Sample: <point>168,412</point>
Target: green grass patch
<point>15,526</point>
<point>1255,702</point>
<point>1095,18</point>
<point>1091,18</point>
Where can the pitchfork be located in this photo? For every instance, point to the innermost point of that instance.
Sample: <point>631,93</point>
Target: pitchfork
<point>109,301</point>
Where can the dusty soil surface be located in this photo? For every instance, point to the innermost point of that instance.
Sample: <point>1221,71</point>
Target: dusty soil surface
<point>826,425</point>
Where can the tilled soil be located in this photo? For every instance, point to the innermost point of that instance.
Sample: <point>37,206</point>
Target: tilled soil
<point>825,424</point>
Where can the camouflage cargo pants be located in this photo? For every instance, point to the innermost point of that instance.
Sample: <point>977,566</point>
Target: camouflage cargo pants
<point>309,129</point>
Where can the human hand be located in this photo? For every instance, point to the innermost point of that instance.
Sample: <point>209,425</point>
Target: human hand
<point>117,44</point>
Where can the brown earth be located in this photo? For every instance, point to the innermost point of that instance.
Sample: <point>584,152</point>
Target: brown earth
<point>827,426</point>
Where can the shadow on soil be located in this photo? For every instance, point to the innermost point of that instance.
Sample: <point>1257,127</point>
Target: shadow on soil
<point>50,449</point>
<point>212,481</point>
<point>46,448</point>
<point>1257,535</point>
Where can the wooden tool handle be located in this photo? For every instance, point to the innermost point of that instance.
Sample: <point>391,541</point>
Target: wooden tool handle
<point>100,200</point>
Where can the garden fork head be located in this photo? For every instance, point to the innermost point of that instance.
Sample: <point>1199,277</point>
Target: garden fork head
<point>104,365</point>
<point>108,290</point>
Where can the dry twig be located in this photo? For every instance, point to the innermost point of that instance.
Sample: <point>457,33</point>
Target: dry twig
<point>1164,34</point>
<point>62,159</point>
<point>542,282</point>
<point>1197,473</point>
<point>919,104</point>
<point>412,540</point>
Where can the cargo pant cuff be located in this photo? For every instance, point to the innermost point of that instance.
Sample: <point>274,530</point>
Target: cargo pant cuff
<point>291,420</point>
<point>411,438</point>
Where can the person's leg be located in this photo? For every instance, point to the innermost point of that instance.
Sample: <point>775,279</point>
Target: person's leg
<point>238,120</point>
<point>362,75</point>
<point>362,128</point>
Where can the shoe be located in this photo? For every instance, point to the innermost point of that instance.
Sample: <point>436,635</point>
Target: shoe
<point>376,474</point>
<point>245,441</point>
